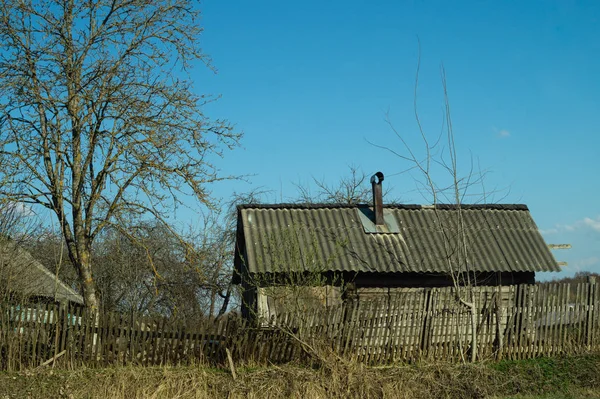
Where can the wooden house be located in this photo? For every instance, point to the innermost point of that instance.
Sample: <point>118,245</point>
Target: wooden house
<point>23,277</point>
<point>290,256</point>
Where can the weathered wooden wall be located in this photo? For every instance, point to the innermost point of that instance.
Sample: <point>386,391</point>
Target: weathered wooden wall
<point>272,301</point>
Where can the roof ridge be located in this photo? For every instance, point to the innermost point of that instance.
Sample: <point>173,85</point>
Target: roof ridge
<point>507,207</point>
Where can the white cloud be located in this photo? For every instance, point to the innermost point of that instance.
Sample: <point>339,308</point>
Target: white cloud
<point>588,261</point>
<point>19,208</point>
<point>585,223</point>
<point>504,133</point>
<point>592,223</point>
<point>585,264</point>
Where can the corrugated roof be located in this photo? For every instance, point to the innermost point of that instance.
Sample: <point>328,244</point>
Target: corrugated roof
<point>286,237</point>
<point>24,275</point>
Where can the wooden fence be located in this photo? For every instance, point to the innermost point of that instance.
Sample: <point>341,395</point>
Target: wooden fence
<point>513,322</point>
<point>37,334</point>
<point>510,322</point>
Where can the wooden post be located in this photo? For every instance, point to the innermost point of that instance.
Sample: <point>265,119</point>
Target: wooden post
<point>519,303</point>
<point>231,365</point>
<point>556,317</point>
<point>544,312</point>
<point>499,326</point>
<point>590,311</point>
<point>37,323</point>
<point>416,325</point>
<point>424,339</point>
<point>131,337</point>
<point>563,309</point>
<point>76,360</point>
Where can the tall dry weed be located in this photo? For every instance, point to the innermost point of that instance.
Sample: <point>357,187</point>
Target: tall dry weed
<point>335,378</point>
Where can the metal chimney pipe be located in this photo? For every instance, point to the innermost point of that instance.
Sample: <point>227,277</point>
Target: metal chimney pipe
<point>376,180</point>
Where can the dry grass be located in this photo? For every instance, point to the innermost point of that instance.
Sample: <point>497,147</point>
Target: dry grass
<point>549,378</point>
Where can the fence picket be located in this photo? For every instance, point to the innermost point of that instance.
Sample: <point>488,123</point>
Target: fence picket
<point>579,312</point>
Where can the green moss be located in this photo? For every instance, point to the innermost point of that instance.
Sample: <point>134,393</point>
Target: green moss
<point>546,375</point>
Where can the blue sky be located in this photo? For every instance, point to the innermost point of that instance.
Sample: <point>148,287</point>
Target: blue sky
<point>309,84</point>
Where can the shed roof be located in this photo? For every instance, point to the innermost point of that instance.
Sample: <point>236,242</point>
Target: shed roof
<point>324,237</point>
<point>24,275</point>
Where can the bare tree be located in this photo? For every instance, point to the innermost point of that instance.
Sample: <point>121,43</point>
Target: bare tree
<point>189,276</point>
<point>18,271</point>
<point>48,247</point>
<point>437,158</point>
<point>350,189</point>
<point>98,119</point>
<point>155,274</point>
<point>218,247</point>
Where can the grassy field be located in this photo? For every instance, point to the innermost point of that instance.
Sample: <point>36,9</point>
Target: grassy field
<point>568,377</point>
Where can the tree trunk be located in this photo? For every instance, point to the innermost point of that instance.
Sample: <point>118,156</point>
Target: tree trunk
<point>84,266</point>
<point>473,314</point>
<point>213,299</point>
<point>473,333</point>
<point>225,302</point>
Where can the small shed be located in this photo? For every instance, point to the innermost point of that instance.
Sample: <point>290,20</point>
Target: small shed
<point>21,276</point>
<point>297,255</point>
